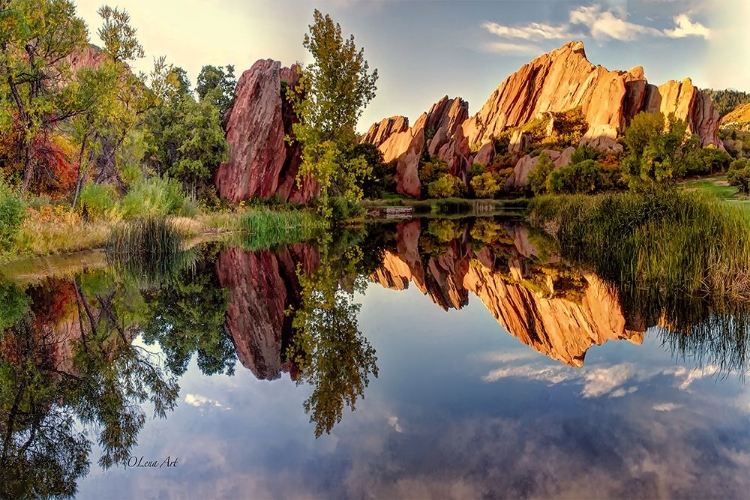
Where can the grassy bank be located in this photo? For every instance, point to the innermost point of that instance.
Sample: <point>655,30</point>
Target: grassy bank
<point>57,230</point>
<point>668,243</point>
<point>264,228</point>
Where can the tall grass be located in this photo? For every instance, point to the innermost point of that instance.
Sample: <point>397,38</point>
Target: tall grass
<point>673,241</point>
<point>145,236</point>
<point>265,228</point>
<point>149,249</point>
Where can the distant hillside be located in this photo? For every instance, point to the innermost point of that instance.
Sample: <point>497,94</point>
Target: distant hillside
<point>727,100</point>
<point>740,115</point>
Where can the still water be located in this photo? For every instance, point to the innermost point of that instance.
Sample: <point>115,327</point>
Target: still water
<point>424,359</point>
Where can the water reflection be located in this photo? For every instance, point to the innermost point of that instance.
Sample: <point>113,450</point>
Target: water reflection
<point>82,358</point>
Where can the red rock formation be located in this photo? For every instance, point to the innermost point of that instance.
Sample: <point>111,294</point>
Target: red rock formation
<point>564,79</point>
<point>437,132</point>
<point>559,328</point>
<point>262,286</point>
<point>89,57</point>
<point>261,163</point>
<point>559,81</point>
<point>689,104</point>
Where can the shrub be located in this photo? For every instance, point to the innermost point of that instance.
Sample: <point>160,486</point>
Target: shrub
<point>485,185</point>
<point>475,170</point>
<point>538,176</point>
<point>12,214</point>
<point>343,208</point>
<point>154,196</point>
<point>443,187</point>
<point>97,200</point>
<point>583,177</point>
<point>739,175</point>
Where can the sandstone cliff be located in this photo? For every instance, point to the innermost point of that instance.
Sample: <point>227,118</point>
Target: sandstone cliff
<point>437,132</point>
<point>261,163</point>
<point>555,326</point>
<point>556,82</point>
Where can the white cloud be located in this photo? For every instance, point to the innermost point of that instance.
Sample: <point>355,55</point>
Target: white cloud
<point>550,374</point>
<point>604,24</point>
<point>685,27</point>
<point>623,392</point>
<point>393,422</point>
<point>532,31</point>
<point>600,24</point>
<point>512,48</point>
<point>198,401</point>
<point>666,407</point>
<point>601,381</point>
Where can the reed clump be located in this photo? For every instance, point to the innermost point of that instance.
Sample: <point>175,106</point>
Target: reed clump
<point>266,228</point>
<point>146,236</point>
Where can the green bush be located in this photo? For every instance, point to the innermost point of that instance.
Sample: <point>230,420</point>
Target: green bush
<point>739,175</point>
<point>343,208</point>
<point>153,196</point>
<point>12,214</point>
<point>444,187</point>
<point>97,200</point>
<point>485,185</point>
<point>583,177</point>
<point>538,176</point>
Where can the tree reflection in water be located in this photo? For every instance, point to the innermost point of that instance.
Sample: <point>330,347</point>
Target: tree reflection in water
<point>329,350</point>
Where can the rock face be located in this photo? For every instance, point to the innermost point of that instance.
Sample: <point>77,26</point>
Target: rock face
<point>262,286</point>
<point>261,163</point>
<point>559,81</point>
<point>437,132</point>
<point>556,327</point>
<point>90,57</point>
<point>564,79</point>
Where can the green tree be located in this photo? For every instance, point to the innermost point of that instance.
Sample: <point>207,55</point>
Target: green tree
<point>658,150</point>
<point>485,185</point>
<point>444,187</point>
<point>186,316</point>
<point>332,93</point>
<point>217,84</point>
<point>538,177</point>
<point>186,139</point>
<point>329,349</point>
<point>582,177</point>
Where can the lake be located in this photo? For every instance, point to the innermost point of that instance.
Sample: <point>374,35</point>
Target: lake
<point>433,358</point>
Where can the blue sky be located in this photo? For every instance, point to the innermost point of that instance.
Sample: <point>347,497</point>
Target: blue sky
<point>425,49</point>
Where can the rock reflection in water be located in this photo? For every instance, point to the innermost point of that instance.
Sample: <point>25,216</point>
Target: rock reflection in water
<point>501,275</point>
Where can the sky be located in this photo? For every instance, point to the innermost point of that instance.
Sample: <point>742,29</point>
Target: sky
<point>425,49</point>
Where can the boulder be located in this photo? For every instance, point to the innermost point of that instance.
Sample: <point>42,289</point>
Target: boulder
<point>261,163</point>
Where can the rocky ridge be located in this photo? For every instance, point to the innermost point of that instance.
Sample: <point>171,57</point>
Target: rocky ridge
<point>558,81</point>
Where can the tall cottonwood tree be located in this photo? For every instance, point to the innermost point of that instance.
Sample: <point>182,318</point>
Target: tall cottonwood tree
<point>332,93</point>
